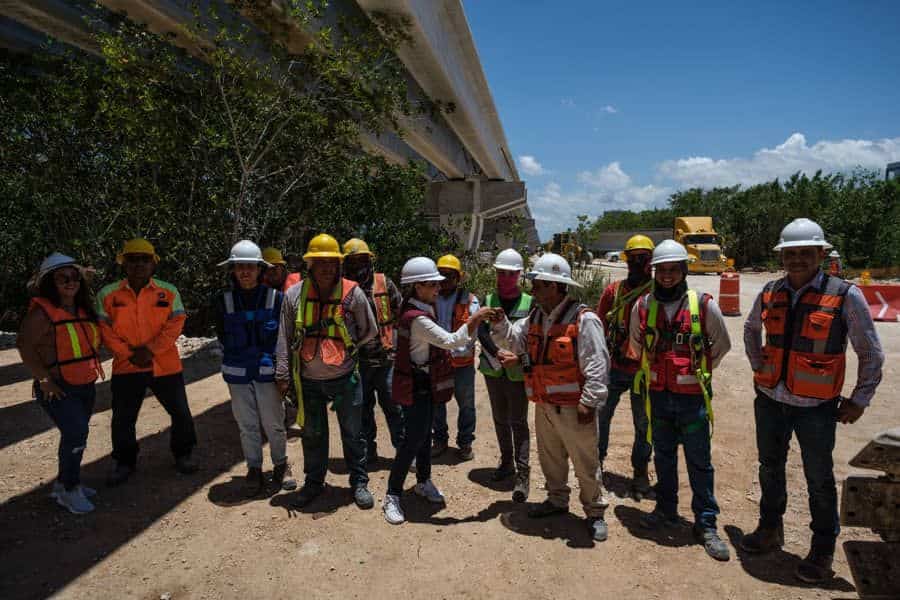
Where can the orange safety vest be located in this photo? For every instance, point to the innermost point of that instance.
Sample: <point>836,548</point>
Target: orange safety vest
<point>383,313</point>
<point>77,343</point>
<point>289,281</point>
<point>460,317</point>
<point>554,376</point>
<point>323,323</point>
<point>805,344</point>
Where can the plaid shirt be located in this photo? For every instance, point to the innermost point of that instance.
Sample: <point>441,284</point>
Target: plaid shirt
<point>860,330</point>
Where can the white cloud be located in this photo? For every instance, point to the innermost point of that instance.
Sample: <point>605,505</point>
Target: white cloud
<point>530,166</point>
<point>610,109</point>
<point>782,161</point>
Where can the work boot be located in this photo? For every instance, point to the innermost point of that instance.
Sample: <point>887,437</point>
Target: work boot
<point>363,497</point>
<point>254,484</point>
<point>546,509</point>
<point>307,494</point>
<point>520,491</point>
<point>120,474</point>
<point>658,519</point>
<point>764,539</point>
<point>597,528</point>
<point>816,567</point>
<point>186,466</point>
<point>283,478</point>
<point>74,501</point>
<point>503,472</point>
<point>438,448</point>
<point>465,453</point>
<point>640,484</point>
<point>712,543</point>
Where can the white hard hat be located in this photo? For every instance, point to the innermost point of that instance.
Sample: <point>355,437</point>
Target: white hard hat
<point>834,254</point>
<point>802,232</point>
<point>55,261</point>
<point>245,252</point>
<point>509,260</point>
<point>553,267</point>
<point>669,251</point>
<point>418,269</point>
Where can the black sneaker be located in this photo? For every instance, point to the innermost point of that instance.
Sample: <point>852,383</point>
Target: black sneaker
<point>712,543</point>
<point>119,475</point>
<point>438,448</point>
<point>306,495</point>
<point>764,539</point>
<point>815,568</point>
<point>363,497</point>
<point>465,453</point>
<point>503,472</point>
<point>658,519</point>
<point>546,509</point>
<point>522,487</point>
<point>186,466</point>
<point>254,484</point>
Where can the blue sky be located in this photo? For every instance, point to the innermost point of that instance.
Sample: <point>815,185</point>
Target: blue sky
<point>616,104</point>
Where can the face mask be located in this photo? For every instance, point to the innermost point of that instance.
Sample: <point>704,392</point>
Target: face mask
<point>360,272</point>
<point>638,269</point>
<point>508,284</point>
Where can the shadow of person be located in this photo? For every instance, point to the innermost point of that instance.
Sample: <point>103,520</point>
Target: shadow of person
<point>325,504</point>
<point>483,477</point>
<point>672,536</point>
<point>231,493</point>
<point>620,486</point>
<point>778,566</point>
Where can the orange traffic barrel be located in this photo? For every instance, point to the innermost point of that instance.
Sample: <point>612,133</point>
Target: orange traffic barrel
<point>730,294</point>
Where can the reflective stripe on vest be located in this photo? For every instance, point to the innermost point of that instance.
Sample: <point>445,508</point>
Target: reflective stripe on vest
<point>805,344</point>
<point>555,376</point>
<point>383,313</point>
<point>322,326</point>
<point>77,340</point>
<point>521,311</point>
<point>671,360</point>
<point>618,318</point>
<point>250,337</point>
<point>460,317</point>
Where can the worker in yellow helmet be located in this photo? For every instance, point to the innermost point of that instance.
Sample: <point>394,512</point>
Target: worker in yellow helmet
<point>324,320</point>
<point>277,276</point>
<point>614,309</point>
<point>454,306</point>
<point>376,358</point>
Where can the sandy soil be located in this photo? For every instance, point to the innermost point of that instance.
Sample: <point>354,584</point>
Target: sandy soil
<point>194,537</point>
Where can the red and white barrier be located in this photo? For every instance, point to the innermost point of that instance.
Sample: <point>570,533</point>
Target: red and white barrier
<point>884,301</point>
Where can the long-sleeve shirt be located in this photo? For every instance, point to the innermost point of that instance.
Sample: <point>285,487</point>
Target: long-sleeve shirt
<point>152,317</point>
<point>360,322</point>
<point>593,357</point>
<point>713,324</point>
<point>424,332</point>
<point>860,329</point>
<point>445,305</point>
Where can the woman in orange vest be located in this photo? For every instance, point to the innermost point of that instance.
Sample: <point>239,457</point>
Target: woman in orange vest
<point>58,342</point>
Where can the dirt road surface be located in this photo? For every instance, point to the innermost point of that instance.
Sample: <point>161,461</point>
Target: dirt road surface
<point>194,537</point>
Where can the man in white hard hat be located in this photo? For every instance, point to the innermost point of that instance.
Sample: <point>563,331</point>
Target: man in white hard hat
<point>506,387</point>
<point>798,374</point>
<point>246,321</point>
<point>679,337</point>
<point>563,355</point>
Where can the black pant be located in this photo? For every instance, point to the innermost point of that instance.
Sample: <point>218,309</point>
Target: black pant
<point>417,441</point>
<point>127,397</point>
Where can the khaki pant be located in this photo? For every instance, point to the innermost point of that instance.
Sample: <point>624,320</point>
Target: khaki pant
<point>559,437</point>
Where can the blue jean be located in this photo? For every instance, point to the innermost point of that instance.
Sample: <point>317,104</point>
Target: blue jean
<point>346,395</point>
<point>682,419</point>
<point>620,383</point>
<point>464,392</point>
<point>376,384</point>
<point>815,429</point>
<point>71,414</point>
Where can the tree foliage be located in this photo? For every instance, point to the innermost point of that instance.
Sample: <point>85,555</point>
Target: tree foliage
<point>227,136</point>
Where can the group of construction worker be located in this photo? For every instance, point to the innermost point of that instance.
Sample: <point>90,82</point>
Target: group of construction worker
<point>346,337</point>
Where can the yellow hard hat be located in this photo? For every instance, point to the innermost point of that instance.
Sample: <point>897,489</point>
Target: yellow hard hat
<point>356,246</point>
<point>137,246</point>
<point>639,242</point>
<point>448,261</point>
<point>323,246</point>
<point>273,256</point>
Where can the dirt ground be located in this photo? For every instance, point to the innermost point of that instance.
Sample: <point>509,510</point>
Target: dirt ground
<point>167,535</point>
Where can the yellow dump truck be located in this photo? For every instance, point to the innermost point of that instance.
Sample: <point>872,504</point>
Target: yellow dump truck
<point>702,242</point>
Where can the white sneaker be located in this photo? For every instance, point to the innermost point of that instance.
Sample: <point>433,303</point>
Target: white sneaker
<point>58,488</point>
<point>74,501</point>
<point>393,514</point>
<point>430,492</point>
